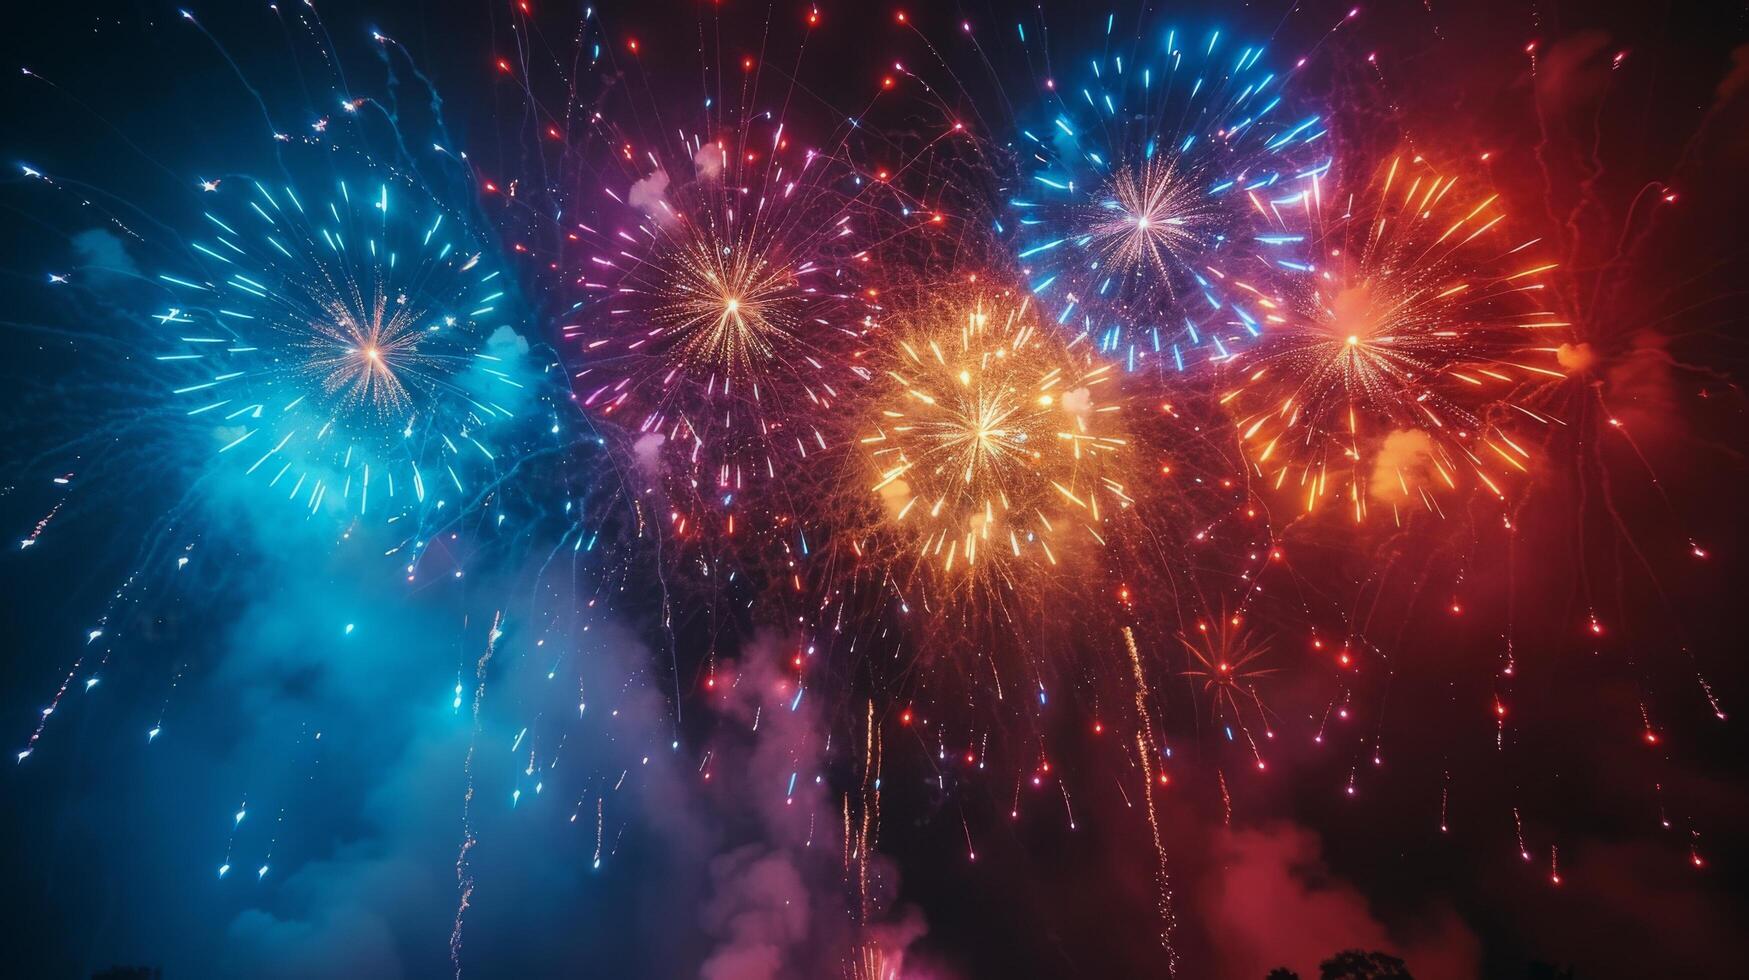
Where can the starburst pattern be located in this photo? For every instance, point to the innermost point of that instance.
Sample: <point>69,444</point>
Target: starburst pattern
<point>364,352</point>
<point>1417,321</point>
<point>728,305</point>
<point>992,446</point>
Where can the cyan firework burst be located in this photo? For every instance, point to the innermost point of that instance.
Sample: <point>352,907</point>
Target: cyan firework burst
<point>348,330</point>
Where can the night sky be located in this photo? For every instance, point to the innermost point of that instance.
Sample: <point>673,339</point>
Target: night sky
<point>681,822</point>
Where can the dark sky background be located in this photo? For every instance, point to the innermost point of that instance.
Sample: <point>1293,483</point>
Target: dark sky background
<point>111,846</point>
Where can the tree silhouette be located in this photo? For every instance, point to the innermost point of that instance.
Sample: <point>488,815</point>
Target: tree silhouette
<point>1360,964</point>
<point>1282,973</point>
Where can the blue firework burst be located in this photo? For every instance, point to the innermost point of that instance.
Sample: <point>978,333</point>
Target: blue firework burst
<point>1148,193</point>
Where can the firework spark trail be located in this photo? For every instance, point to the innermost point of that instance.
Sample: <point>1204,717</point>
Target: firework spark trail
<point>869,959</point>
<point>1147,749</point>
<point>36,531</point>
<point>463,872</point>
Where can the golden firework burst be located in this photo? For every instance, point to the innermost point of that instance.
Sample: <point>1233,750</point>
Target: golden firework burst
<point>366,352</point>
<point>728,304</point>
<point>995,440</point>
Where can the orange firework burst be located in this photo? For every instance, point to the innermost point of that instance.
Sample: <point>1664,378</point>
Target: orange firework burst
<point>1401,347</point>
<point>996,445</point>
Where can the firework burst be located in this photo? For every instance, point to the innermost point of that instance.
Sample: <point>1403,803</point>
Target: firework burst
<point>362,355</point>
<point>1391,377</point>
<point>996,445</point>
<point>728,308</point>
<point>347,335</point>
<point>1226,659</point>
<point>732,298</point>
<point>725,303</point>
<point>1146,191</point>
